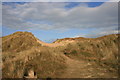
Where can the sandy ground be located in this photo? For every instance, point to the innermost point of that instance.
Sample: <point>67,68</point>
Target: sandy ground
<point>50,44</point>
<point>81,69</point>
<point>84,69</point>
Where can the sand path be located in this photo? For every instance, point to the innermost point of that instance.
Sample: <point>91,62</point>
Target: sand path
<point>84,69</point>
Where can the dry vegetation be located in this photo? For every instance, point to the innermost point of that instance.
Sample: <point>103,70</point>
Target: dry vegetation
<point>22,52</point>
<point>103,50</point>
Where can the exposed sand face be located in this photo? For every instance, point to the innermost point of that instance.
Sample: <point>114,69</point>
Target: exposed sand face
<point>50,44</point>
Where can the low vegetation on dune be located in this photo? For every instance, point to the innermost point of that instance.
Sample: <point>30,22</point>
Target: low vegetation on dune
<point>21,53</point>
<point>103,50</point>
<point>18,41</point>
<point>39,59</point>
<point>23,56</point>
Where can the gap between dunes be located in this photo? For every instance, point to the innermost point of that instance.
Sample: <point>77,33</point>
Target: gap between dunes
<point>50,44</point>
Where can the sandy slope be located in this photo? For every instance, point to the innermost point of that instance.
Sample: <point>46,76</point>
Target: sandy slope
<point>84,69</point>
<point>75,68</point>
<point>49,44</point>
<point>81,69</point>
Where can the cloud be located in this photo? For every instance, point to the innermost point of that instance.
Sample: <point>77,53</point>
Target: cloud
<point>48,16</point>
<point>60,1</point>
<point>99,34</point>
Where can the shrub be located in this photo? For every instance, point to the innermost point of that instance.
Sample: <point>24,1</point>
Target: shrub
<point>86,54</point>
